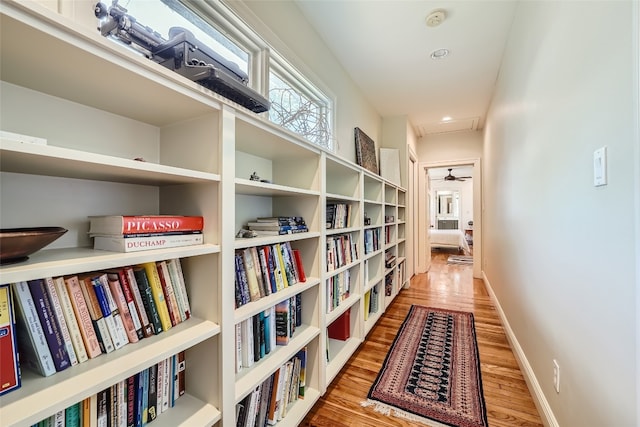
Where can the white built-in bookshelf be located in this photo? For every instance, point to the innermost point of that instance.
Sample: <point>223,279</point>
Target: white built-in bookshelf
<point>199,153</point>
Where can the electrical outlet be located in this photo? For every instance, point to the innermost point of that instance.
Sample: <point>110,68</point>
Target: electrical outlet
<point>556,375</point>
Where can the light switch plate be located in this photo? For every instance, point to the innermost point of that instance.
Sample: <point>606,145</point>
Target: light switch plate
<point>600,167</point>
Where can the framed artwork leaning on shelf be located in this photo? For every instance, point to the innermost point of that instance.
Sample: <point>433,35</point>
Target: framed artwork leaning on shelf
<point>366,151</point>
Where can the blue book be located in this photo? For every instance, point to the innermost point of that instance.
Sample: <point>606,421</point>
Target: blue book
<point>145,395</point>
<point>272,268</point>
<point>139,394</point>
<point>50,324</point>
<point>262,332</point>
<point>267,331</point>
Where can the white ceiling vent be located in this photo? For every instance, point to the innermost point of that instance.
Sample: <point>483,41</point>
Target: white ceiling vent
<point>456,125</point>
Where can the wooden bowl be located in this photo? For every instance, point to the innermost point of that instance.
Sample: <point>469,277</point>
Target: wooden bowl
<point>16,244</point>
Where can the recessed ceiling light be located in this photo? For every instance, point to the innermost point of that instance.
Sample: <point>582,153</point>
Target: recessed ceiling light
<point>446,119</point>
<point>439,53</point>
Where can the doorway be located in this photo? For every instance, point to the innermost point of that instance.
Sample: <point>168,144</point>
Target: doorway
<point>450,210</point>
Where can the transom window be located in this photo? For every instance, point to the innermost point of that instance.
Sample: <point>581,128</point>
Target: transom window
<point>296,103</point>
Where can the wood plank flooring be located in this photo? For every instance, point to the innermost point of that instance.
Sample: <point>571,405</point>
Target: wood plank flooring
<point>451,286</point>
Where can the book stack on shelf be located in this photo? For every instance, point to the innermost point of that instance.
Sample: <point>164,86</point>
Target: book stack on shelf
<point>338,215</point>
<point>65,321</point>
<point>342,249</point>
<point>264,270</point>
<point>270,401</point>
<point>257,336</point>
<point>134,233</point>
<point>277,226</point>
<point>338,289</point>
<point>134,401</point>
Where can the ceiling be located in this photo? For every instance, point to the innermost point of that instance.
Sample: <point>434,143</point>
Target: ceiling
<point>385,46</point>
<point>458,171</point>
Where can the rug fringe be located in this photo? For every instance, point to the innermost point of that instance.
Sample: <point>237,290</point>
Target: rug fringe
<point>389,410</point>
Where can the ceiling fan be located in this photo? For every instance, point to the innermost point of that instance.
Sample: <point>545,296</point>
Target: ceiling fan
<point>451,177</point>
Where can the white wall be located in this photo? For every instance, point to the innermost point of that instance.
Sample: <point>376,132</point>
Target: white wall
<point>560,253</point>
<point>284,27</point>
<point>450,146</point>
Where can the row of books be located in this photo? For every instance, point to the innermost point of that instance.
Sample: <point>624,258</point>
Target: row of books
<point>270,401</point>
<point>342,249</point>
<point>338,215</point>
<point>387,234</point>
<point>133,233</point>
<point>388,284</point>
<point>371,302</point>
<point>64,321</point>
<point>371,240</point>
<point>338,289</point>
<point>257,336</point>
<point>277,226</point>
<point>263,270</point>
<point>133,402</point>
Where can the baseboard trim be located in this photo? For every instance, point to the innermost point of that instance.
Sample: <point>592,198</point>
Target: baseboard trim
<point>548,418</point>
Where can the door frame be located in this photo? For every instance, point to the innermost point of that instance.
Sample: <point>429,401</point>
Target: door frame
<point>424,247</point>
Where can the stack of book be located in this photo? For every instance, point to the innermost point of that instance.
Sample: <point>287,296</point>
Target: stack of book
<point>118,233</point>
<point>263,270</point>
<point>278,225</point>
<point>134,401</point>
<point>271,400</point>
<point>64,321</point>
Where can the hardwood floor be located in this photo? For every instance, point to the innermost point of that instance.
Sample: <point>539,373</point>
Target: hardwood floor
<point>451,286</point>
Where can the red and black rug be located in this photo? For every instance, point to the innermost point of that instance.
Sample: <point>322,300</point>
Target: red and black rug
<point>432,371</point>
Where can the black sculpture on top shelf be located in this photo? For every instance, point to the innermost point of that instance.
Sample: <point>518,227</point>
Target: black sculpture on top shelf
<point>182,53</point>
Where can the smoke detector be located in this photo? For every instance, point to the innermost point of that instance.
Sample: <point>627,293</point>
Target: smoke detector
<point>435,18</point>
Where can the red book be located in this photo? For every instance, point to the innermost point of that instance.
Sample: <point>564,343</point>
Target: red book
<point>299,265</point>
<point>339,329</point>
<point>9,365</point>
<point>144,224</point>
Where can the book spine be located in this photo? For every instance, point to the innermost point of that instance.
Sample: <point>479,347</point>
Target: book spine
<point>166,384</point>
<point>71,319</point>
<point>136,244</point>
<point>281,274</point>
<point>131,401</point>
<point>107,314</point>
<point>121,277</point>
<point>147,299</point>
<point>103,403</point>
<point>147,327</point>
<point>50,324</point>
<point>264,290</point>
<point>252,279</point>
<point>10,378</point>
<point>52,293</point>
<point>297,255</point>
<point>128,224</point>
<point>123,308</point>
<point>183,285</point>
<point>241,276</point>
<point>72,415</point>
<point>181,365</point>
<point>99,324</point>
<point>160,386</point>
<point>153,393</point>
<point>158,294</point>
<point>81,310</point>
<point>169,292</point>
<point>287,261</point>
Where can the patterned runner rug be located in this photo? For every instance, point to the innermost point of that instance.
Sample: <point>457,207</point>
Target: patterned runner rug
<point>432,371</point>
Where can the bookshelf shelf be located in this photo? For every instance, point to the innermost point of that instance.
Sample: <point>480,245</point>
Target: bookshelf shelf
<point>344,306</point>
<point>253,308</point>
<point>339,354</point>
<point>270,240</point>
<point>62,389</point>
<point>257,188</point>
<point>65,261</point>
